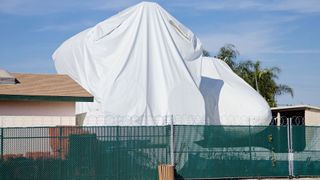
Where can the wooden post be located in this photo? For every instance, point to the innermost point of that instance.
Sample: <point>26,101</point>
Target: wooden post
<point>166,172</point>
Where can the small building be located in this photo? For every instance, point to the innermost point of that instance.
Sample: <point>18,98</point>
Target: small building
<point>299,115</point>
<point>28,100</point>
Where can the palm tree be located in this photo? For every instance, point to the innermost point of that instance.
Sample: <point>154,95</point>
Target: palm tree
<point>228,54</point>
<point>261,79</point>
<point>205,53</point>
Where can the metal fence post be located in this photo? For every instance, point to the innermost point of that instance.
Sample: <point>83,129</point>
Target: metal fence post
<point>60,151</point>
<point>290,150</point>
<point>2,143</point>
<point>250,145</point>
<point>172,141</point>
<point>118,152</point>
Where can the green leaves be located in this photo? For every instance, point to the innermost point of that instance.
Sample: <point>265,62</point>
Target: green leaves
<point>206,53</point>
<point>261,79</point>
<point>228,54</point>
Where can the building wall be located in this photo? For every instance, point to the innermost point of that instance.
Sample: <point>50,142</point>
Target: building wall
<point>36,113</point>
<point>312,117</point>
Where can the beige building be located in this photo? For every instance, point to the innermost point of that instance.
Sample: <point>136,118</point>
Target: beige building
<point>299,114</point>
<point>28,100</point>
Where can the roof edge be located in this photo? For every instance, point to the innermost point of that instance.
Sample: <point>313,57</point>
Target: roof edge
<point>47,98</point>
<point>296,107</point>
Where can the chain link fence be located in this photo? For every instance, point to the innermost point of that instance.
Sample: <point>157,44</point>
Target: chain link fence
<point>122,152</point>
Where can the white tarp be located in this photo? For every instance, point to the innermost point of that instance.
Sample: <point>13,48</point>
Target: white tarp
<point>229,100</point>
<point>143,66</point>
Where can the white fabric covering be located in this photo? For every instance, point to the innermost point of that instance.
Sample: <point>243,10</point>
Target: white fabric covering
<point>229,100</point>
<point>140,64</point>
<point>143,66</point>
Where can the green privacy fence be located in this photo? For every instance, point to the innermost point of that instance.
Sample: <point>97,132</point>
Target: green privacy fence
<point>135,152</point>
<point>83,152</point>
<point>307,160</point>
<point>233,151</point>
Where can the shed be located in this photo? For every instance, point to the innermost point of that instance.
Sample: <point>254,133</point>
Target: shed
<point>299,114</point>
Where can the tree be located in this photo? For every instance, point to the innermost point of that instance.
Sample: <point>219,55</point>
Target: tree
<point>261,79</point>
<point>205,53</point>
<point>228,54</point>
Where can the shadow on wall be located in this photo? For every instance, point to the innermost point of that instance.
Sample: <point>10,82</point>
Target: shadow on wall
<point>210,90</point>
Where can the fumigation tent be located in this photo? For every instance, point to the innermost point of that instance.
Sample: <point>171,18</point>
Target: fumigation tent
<point>144,68</point>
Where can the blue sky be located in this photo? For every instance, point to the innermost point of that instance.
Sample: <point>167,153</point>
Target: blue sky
<point>278,33</point>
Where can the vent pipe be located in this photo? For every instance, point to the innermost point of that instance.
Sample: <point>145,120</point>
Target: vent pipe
<point>6,77</point>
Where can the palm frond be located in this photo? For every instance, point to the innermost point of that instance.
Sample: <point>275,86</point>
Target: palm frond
<point>284,89</point>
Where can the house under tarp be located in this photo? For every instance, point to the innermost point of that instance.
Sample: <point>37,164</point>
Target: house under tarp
<point>144,68</point>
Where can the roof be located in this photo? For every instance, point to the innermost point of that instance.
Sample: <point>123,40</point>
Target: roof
<point>45,87</point>
<point>295,108</point>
